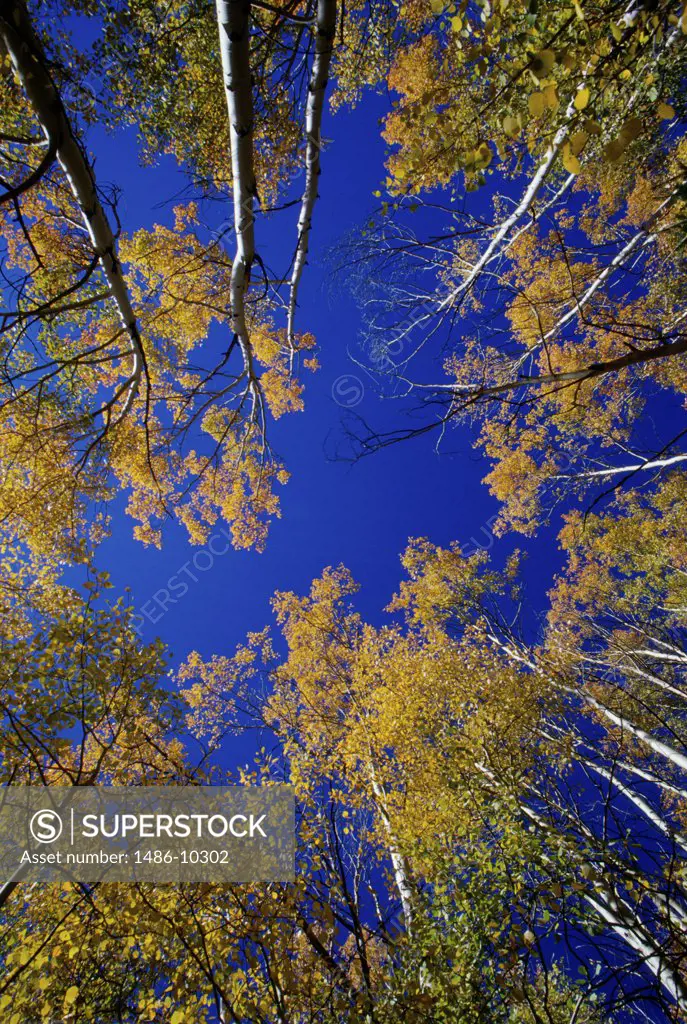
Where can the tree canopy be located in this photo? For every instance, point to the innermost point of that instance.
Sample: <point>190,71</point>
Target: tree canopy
<point>491,793</point>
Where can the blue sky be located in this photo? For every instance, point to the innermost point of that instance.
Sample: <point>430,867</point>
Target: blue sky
<point>332,511</point>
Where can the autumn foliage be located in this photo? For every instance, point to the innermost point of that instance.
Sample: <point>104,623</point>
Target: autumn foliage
<point>491,799</point>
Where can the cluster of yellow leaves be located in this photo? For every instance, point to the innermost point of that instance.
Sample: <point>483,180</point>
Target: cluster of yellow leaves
<point>214,691</point>
<point>81,696</point>
<point>139,946</point>
<point>435,121</point>
<point>161,72</point>
<point>194,442</point>
<point>41,500</point>
<point>414,722</point>
<point>362,58</point>
<point>515,77</point>
<point>563,320</point>
<point>636,556</point>
<point>283,391</point>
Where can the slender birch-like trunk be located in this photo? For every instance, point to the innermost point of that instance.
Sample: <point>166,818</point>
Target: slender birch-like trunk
<point>31,66</point>
<point>613,913</point>
<point>634,467</point>
<point>639,802</point>
<point>658,746</point>
<point>317,87</point>
<point>625,925</point>
<point>233,18</point>
<point>398,863</point>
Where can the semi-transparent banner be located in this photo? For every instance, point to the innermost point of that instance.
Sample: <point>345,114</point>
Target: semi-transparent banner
<point>147,834</point>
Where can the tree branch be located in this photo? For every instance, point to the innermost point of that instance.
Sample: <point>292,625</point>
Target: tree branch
<point>31,66</point>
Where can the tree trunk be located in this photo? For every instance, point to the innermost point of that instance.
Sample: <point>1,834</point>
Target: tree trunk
<point>324,45</point>
<point>31,66</point>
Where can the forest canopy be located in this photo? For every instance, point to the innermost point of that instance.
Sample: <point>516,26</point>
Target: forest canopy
<point>491,771</point>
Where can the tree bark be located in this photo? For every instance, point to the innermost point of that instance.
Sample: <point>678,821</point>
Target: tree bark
<point>31,66</point>
<point>317,87</point>
<point>233,17</point>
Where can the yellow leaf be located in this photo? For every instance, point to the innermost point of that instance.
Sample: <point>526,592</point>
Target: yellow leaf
<point>457,23</point>
<point>666,112</point>
<point>582,99</point>
<point>615,149</point>
<point>551,97</point>
<point>632,128</point>
<point>71,994</point>
<point>542,62</point>
<point>570,161</point>
<point>577,142</point>
<point>511,126</point>
<point>536,104</point>
<point>482,156</point>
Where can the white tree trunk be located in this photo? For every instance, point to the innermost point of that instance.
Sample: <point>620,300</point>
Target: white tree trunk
<point>640,803</point>
<point>664,749</point>
<point>642,773</point>
<point>640,940</point>
<point>640,240</point>
<point>317,87</point>
<point>398,863</point>
<point>627,927</point>
<point>233,18</point>
<point>31,66</point>
<point>618,470</point>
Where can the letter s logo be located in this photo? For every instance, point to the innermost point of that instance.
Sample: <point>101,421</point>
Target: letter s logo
<point>46,826</point>
<point>348,390</point>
